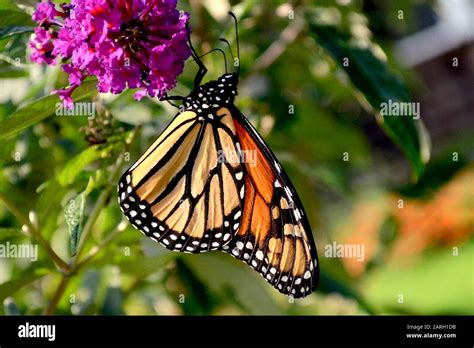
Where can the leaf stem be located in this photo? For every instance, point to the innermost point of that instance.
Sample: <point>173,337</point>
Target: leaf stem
<point>32,232</point>
<point>96,249</point>
<point>58,294</point>
<point>96,210</point>
<point>102,201</point>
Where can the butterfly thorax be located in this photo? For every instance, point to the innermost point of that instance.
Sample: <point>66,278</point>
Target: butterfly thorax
<point>213,94</point>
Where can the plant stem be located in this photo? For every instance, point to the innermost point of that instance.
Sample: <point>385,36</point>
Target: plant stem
<point>33,232</point>
<point>99,205</point>
<point>96,210</point>
<point>95,250</point>
<point>58,294</point>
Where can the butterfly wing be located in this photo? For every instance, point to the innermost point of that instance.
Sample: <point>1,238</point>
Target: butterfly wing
<point>194,191</point>
<point>274,237</point>
<point>186,191</point>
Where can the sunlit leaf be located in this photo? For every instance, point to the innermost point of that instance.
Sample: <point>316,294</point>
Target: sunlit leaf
<point>9,233</point>
<point>77,164</point>
<point>232,279</point>
<point>378,84</point>
<point>433,286</point>
<point>11,14</point>
<point>142,266</point>
<point>40,109</point>
<point>14,30</point>
<point>10,287</point>
<point>12,72</point>
<point>73,213</point>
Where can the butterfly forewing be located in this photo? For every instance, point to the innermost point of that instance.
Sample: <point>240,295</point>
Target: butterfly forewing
<point>185,191</point>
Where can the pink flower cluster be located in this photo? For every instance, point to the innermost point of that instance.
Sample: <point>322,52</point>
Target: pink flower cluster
<point>124,43</point>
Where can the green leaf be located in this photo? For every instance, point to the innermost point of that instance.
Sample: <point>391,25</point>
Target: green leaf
<point>378,85</point>
<point>74,212</point>
<point>9,233</point>
<point>13,50</point>
<point>232,279</point>
<point>40,109</point>
<point>12,72</point>
<point>331,285</point>
<point>141,267</point>
<point>75,165</point>
<point>11,14</point>
<point>10,287</point>
<point>424,293</point>
<point>14,30</point>
<point>48,206</point>
<point>9,5</point>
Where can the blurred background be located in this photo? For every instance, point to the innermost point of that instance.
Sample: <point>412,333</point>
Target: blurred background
<point>313,76</point>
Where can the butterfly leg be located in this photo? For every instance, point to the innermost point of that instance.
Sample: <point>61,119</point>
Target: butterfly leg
<point>168,99</point>
<point>202,69</point>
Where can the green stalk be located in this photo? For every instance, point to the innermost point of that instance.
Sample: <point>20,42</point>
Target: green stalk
<point>33,232</point>
<point>101,202</point>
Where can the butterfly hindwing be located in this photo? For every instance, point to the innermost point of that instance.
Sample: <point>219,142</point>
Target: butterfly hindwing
<point>186,190</point>
<point>274,238</point>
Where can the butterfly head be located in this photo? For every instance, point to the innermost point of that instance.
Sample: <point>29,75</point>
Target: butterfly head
<point>213,94</point>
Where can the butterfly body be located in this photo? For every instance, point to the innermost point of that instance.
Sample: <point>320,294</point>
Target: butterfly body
<point>213,94</point>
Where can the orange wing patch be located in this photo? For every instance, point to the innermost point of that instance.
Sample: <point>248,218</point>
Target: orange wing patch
<point>272,237</point>
<point>261,173</point>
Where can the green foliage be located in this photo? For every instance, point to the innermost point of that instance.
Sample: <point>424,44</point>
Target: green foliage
<point>8,31</point>
<point>59,174</point>
<point>377,84</point>
<point>433,286</point>
<point>40,109</point>
<point>11,15</point>
<point>12,286</point>
<point>73,212</point>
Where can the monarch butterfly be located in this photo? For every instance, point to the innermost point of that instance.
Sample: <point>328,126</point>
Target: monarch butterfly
<point>192,191</point>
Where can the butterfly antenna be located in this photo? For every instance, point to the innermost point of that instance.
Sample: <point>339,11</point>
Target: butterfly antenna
<point>236,39</point>
<point>228,46</point>
<point>214,50</point>
<point>202,69</point>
